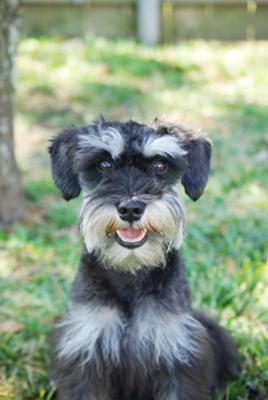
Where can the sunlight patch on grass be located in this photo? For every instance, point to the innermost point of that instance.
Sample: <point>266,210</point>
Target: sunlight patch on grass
<point>7,391</point>
<point>252,197</point>
<point>8,263</point>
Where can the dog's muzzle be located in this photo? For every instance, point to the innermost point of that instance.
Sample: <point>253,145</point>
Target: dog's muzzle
<point>130,211</point>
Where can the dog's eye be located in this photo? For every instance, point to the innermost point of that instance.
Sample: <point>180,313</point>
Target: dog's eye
<point>104,165</point>
<point>159,166</point>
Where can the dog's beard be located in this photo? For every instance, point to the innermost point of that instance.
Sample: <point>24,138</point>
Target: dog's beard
<point>163,222</point>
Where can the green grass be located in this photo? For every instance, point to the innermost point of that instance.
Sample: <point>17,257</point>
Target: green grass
<point>220,87</point>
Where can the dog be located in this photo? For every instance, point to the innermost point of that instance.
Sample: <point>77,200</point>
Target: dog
<point>129,332</point>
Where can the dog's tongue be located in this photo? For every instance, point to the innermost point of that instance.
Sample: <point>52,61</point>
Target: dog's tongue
<point>131,235</point>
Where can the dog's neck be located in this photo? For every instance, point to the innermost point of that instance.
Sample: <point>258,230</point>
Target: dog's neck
<point>125,289</point>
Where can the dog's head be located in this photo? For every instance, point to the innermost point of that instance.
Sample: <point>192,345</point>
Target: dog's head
<point>128,174</point>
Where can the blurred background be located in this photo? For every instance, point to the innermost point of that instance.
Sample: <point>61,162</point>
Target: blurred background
<point>201,62</point>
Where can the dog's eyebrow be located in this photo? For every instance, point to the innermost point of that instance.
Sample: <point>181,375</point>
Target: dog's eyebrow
<point>108,139</point>
<point>166,145</point>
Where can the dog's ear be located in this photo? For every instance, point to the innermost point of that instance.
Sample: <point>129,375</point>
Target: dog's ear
<point>198,158</point>
<point>62,152</point>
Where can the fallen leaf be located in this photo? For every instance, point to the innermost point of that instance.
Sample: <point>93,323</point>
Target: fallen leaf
<point>230,266</point>
<point>10,326</point>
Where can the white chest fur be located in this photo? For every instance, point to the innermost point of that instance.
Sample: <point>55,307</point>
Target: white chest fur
<point>165,335</point>
<point>152,331</point>
<point>86,325</point>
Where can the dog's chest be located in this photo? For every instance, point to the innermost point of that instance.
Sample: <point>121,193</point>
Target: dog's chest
<point>151,332</point>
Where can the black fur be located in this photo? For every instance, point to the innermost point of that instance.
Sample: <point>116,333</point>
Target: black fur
<point>133,380</point>
<point>195,177</point>
<point>160,288</point>
<point>62,153</point>
<point>193,168</point>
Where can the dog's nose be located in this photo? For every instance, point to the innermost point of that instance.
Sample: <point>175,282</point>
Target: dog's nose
<point>131,210</point>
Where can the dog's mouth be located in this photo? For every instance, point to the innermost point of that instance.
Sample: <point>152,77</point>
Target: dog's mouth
<point>131,237</point>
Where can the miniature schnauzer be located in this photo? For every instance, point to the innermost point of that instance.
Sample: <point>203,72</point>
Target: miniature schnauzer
<point>129,332</point>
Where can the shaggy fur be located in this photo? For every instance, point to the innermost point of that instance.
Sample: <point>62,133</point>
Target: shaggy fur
<point>129,332</point>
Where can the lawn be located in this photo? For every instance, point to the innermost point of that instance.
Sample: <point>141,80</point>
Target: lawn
<point>219,87</point>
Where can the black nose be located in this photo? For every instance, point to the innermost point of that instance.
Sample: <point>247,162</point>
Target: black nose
<point>131,210</point>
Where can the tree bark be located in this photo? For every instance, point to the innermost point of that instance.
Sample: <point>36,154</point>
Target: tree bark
<point>10,188</point>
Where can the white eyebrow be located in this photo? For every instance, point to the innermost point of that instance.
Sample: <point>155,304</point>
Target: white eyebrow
<point>109,139</point>
<point>166,145</point>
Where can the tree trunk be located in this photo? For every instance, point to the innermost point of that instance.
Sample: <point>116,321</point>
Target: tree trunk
<point>10,188</point>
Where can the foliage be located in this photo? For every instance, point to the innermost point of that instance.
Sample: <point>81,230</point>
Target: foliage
<point>221,87</point>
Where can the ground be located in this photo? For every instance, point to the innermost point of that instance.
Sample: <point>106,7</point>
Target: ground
<point>219,87</point>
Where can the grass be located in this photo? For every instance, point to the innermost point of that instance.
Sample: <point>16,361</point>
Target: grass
<point>221,87</point>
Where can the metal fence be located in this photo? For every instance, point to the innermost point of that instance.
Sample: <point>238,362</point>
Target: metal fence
<point>179,19</point>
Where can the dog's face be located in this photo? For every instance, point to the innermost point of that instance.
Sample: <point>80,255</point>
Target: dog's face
<point>128,173</point>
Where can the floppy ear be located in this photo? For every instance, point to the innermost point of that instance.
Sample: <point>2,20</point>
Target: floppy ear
<point>62,152</point>
<point>198,158</point>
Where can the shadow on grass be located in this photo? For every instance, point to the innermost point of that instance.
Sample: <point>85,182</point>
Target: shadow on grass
<point>246,116</point>
<point>140,66</point>
<point>115,79</point>
<point>90,97</point>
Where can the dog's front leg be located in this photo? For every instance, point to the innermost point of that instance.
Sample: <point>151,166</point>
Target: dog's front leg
<point>87,339</point>
<point>175,343</point>
<point>78,384</point>
<point>183,387</point>
<point>167,391</point>
<point>72,385</point>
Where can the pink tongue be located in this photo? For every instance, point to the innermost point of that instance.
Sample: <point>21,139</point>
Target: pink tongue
<point>130,235</point>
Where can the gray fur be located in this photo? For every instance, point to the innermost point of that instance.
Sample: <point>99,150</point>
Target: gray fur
<point>130,332</point>
<point>166,145</point>
<point>108,139</point>
<point>84,325</point>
